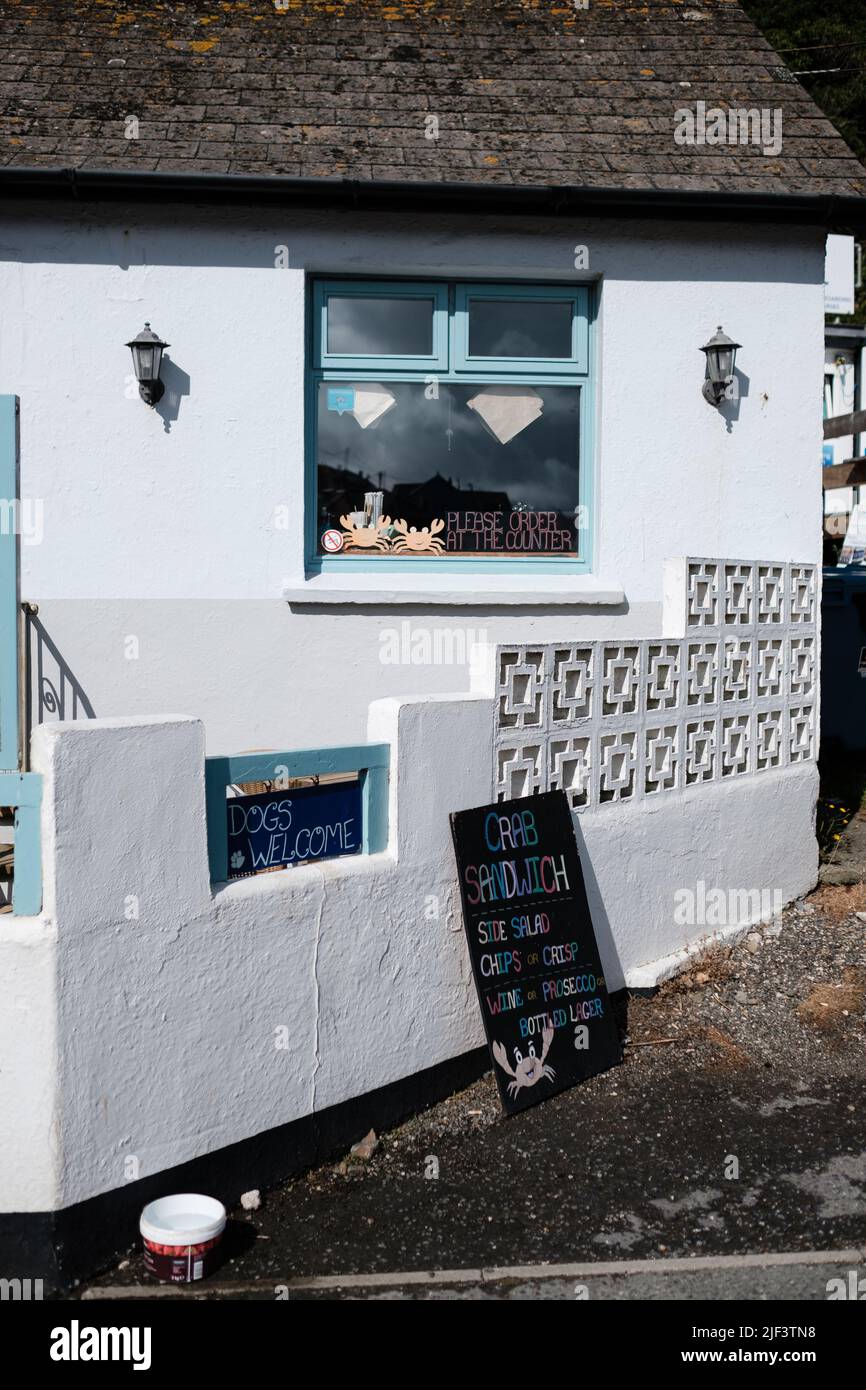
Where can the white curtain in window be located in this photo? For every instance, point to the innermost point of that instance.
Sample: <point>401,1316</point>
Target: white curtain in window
<point>371,403</point>
<point>506,410</point>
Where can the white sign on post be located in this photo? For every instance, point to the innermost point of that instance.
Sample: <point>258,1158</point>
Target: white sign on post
<point>854,546</point>
<point>839,275</point>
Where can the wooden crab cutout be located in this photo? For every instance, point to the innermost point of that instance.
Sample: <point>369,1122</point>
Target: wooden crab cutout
<point>414,542</point>
<point>365,537</point>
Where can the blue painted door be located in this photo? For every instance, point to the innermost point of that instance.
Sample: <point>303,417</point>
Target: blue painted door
<point>9,585</point>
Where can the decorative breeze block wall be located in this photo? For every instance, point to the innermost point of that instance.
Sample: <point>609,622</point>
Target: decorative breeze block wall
<point>733,693</point>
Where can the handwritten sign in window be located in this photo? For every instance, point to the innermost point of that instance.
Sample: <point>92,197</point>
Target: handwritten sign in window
<point>272,830</point>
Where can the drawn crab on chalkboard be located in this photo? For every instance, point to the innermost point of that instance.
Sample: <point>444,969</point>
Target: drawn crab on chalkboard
<point>528,1070</point>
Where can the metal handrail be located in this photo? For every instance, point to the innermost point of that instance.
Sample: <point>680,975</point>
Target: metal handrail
<point>52,698</point>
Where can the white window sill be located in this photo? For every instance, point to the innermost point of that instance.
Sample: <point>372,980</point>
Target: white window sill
<point>471,589</point>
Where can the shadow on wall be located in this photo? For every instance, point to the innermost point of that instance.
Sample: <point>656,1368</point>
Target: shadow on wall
<point>730,409</point>
<point>600,920</point>
<point>52,689</point>
<point>177,385</point>
<point>315,238</point>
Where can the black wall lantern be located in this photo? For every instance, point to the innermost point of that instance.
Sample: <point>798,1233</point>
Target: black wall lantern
<point>147,351</point>
<point>721,354</point>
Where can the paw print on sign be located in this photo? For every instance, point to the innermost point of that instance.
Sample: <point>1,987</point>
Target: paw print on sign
<point>237,860</point>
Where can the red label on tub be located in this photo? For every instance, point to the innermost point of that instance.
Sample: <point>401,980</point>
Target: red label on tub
<point>180,1264</point>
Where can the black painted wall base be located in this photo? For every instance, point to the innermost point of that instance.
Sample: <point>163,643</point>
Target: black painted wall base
<point>74,1243</point>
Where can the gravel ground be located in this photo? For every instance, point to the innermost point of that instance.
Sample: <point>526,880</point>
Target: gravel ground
<point>793,988</point>
<point>756,1052</point>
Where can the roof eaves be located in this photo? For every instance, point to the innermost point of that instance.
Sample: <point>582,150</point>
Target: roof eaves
<point>831,210</point>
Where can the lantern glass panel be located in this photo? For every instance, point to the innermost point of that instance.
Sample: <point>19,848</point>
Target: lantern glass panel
<point>145,363</point>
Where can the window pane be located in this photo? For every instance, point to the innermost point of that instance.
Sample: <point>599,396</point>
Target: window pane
<point>520,328</point>
<point>362,325</point>
<point>477,470</point>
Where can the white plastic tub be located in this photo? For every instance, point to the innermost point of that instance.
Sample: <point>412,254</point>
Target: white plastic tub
<point>181,1236</point>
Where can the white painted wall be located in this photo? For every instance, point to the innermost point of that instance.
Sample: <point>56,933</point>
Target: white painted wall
<point>164,529</point>
<point>167,1023</point>
<point>30,1133</point>
<point>154,1037</point>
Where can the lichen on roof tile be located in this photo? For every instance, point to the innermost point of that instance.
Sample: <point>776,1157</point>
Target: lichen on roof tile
<point>520,92</point>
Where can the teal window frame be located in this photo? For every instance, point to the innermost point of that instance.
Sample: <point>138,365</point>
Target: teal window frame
<point>454,366</point>
<point>370,760</point>
<point>434,361</point>
<point>576,296</point>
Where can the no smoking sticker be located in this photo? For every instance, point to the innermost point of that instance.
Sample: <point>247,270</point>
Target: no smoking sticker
<point>332,541</point>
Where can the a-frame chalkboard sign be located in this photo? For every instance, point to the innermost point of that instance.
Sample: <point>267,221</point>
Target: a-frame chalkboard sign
<point>534,955</point>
